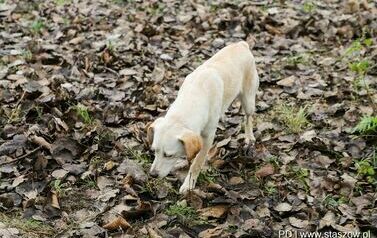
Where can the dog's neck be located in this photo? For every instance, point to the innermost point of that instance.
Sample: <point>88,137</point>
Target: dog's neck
<point>182,122</point>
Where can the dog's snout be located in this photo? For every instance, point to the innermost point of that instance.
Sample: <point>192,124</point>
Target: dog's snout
<point>153,173</point>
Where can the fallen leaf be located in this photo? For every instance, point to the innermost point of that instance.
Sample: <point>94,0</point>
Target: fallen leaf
<point>298,223</point>
<point>283,207</point>
<point>265,171</point>
<point>118,223</point>
<point>214,211</point>
<point>211,233</point>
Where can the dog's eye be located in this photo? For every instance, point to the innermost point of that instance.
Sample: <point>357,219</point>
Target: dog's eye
<point>167,156</point>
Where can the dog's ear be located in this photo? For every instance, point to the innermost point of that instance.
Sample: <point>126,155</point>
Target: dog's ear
<point>193,143</point>
<point>150,130</point>
<point>150,133</point>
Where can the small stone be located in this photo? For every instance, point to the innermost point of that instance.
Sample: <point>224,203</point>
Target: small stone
<point>287,82</point>
<point>166,57</point>
<point>218,43</point>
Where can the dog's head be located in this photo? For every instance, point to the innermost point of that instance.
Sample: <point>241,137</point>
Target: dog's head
<point>170,140</point>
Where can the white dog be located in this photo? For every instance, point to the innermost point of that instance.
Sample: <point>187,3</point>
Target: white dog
<point>189,126</point>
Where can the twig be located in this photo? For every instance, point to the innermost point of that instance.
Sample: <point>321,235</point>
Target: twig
<point>17,105</point>
<point>22,156</point>
<point>112,71</point>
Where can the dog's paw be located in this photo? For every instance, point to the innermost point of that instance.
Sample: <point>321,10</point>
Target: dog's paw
<point>188,184</point>
<point>184,189</point>
<point>250,140</point>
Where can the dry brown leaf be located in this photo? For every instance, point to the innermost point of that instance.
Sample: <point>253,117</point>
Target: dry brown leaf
<point>41,141</point>
<point>265,171</point>
<point>211,233</point>
<point>55,200</point>
<point>214,211</point>
<point>118,222</point>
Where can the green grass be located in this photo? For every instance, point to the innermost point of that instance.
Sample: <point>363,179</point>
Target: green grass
<point>15,115</point>
<point>139,156</point>
<point>96,161</point>
<point>153,185</point>
<point>110,46</point>
<point>57,186</point>
<point>301,175</point>
<point>37,26</point>
<point>30,227</point>
<point>366,169</point>
<point>83,113</point>
<point>294,119</point>
<point>333,202</point>
<point>184,213</point>
<point>359,67</point>
<point>358,45</point>
<point>366,126</point>
<point>88,183</point>
<point>62,2</point>
<point>270,189</point>
<point>308,7</point>
<point>208,176</point>
<point>27,55</point>
<point>293,60</point>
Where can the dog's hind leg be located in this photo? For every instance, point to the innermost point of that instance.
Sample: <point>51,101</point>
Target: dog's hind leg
<point>248,96</point>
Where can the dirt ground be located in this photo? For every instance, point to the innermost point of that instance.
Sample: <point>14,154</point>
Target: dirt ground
<point>80,80</point>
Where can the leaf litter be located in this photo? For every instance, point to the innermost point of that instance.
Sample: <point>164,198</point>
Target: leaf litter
<point>80,80</point>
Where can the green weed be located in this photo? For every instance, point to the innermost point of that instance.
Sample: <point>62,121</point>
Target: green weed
<point>208,176</point>
<point>334,202</point>
<point>27,55</point>
<point>83,113</point>
<point>366,169</point>
<point>366,126</point>
<point>88,183</point>
<point>37,26</point>
<point>296,59</point>
<point>308,7</point>
<point>139,156</point>
<point>359,67</point>
<point>270,189</point>
<point>30,227</point>
<point>184,213</point>
<point>110,46</point>
<point>294,119</point>
<point>57,186</point>
<point>302,175</point>
<point>62,2</point>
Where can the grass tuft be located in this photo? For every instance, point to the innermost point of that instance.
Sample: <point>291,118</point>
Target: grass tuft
<point>37,26</point>
<point>184,213</point>
<point>83,113</point>
<point>208,176</point>
<point>294,119</point>
<point>29,227</point>
<point>367,126</point>
<point>308,7</point>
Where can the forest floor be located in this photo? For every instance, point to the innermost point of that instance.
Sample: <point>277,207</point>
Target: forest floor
<point>81,79</point>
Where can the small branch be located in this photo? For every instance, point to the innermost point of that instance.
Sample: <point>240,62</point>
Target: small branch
<point>22,156</point>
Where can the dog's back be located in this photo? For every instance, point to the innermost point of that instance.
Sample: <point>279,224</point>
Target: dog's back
<point>235,65</point>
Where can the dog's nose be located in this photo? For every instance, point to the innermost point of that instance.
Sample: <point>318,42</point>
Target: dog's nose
<point>153,173</point>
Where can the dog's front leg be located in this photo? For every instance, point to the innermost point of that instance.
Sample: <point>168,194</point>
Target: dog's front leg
<point>194,171</point>
<point>197,165</point>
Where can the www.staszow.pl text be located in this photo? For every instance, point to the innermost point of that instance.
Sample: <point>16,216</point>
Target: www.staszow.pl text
<point>325,234</point>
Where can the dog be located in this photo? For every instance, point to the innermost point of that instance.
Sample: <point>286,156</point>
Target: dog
<point>189,126</point>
